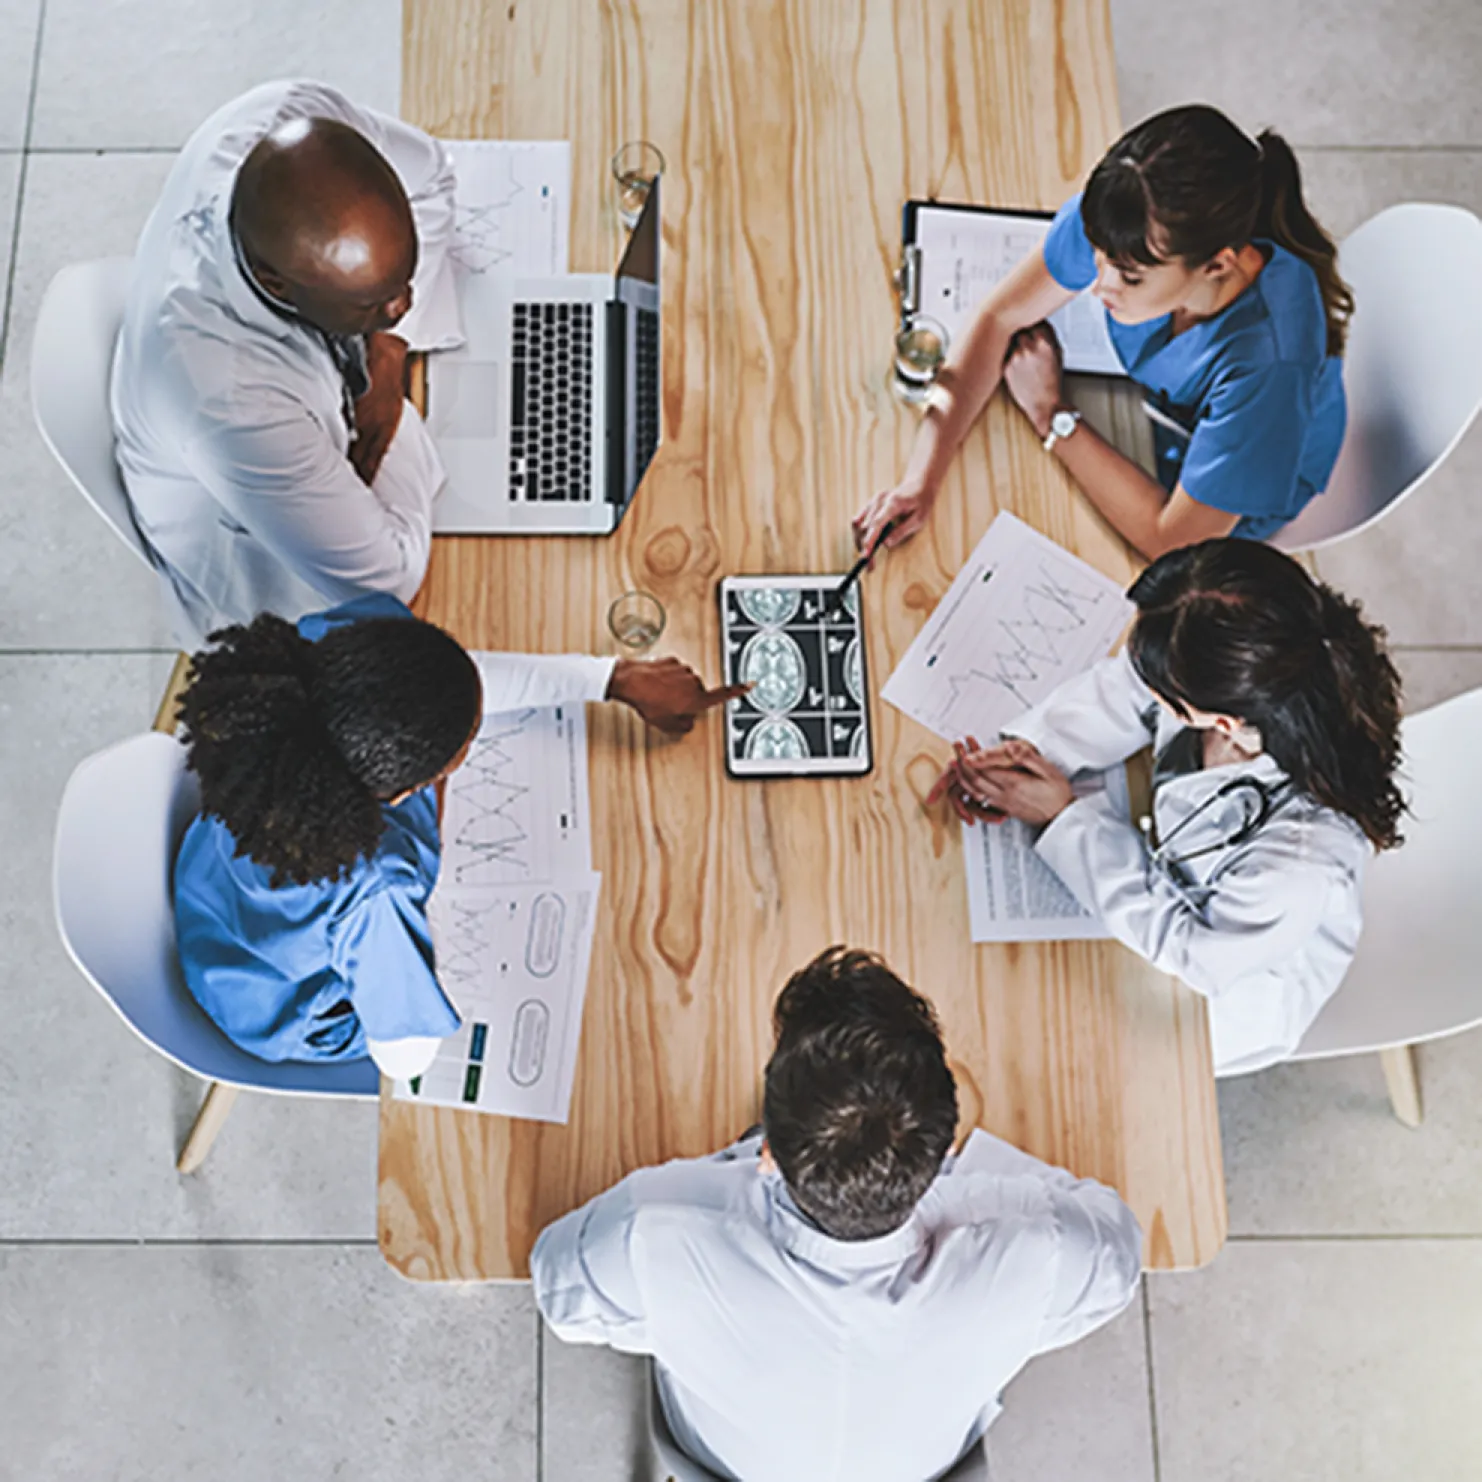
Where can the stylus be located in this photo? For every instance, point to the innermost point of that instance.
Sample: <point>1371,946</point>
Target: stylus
<point>835,598</point>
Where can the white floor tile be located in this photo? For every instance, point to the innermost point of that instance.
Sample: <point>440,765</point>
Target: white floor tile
<point>595,1405</point>
<point>1082,1412</point>
<point>10,178</point>
<point>173,1364</point>
<point>66,581</point>
<point>92,1118</point>
<point>1344,187</point>
<point>1431,675</point>
<point>143,73</point>
<point>1338,1362</point>
<point>1324,72</point>
<point>18,20</point>
<point>1314,1149</point>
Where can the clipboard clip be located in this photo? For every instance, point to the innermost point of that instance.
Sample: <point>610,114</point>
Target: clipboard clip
<point>908,279</point>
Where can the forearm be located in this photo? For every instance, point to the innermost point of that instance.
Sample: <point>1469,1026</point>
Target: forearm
<point>1130,501</point>
<point>962,389</point>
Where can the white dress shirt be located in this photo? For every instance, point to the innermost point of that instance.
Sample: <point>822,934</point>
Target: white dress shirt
<point>785,1354</point>
<point>231,435</point>
<point>1269,925</point>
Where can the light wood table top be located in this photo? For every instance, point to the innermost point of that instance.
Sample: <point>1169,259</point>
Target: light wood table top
<point>793,130</point>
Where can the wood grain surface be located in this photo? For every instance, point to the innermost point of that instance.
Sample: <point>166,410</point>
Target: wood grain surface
<point>793,130</point>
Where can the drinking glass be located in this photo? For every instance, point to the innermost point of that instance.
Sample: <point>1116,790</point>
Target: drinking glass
<point>920,349</point>
<point>636,619</point>
<point>635,167</point>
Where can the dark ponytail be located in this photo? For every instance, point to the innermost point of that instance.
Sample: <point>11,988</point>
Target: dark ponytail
<point>1188,183</point>
<point>298,744</point>
<point>1237,628</point>
<point>1283,217</point>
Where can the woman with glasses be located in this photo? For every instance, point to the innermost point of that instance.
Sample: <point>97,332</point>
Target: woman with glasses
<point>1273,711</point>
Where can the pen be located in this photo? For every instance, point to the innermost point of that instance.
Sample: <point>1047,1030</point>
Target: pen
<point>835,598</point>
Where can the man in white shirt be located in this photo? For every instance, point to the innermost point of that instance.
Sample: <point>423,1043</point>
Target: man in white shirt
<point>297,252</point>
<point>842,1302</point>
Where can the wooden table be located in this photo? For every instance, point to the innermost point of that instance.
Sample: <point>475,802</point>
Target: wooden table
<point>793,130</point>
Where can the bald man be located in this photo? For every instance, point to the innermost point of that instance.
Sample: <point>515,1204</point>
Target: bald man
<point>297,253</point>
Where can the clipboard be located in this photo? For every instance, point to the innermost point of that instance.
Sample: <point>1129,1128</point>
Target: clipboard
<point>953,253</point>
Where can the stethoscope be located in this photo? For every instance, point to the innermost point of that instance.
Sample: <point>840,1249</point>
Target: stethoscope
<point>1262,802</point>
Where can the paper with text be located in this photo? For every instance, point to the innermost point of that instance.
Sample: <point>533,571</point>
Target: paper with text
<point>512,917</point>
<point>1012,894</point>
<point>1022,615</point>
<point>965,253</point>
<point>514,960</point>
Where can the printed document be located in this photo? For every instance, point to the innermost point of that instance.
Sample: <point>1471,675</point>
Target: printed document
<point>1012,894</point>
<point>1022,615</point>
<point>965,253</point>
<point>513,916</point>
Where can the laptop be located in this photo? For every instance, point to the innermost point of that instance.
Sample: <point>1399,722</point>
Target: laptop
<point>548,417</point>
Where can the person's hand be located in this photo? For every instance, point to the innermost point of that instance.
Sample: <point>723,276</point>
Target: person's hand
<point>378,412</point>
<point>669,695</point>
<point>1008,781</point>
<point>908,505</point>
<point>1033,374</point>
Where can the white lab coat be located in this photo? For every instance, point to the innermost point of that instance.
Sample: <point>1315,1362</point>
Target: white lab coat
<point>230,432</point>
<point>784,1355</point>
<point>1273,941</point>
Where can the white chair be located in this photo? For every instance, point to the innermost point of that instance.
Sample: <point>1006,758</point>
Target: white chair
<point>1413,367</point>
<point>1418,972</point>
<point>121,819</point>
<point>71,361</point>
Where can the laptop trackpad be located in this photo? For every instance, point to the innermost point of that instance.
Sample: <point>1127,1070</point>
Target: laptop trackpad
<point>463,397</point>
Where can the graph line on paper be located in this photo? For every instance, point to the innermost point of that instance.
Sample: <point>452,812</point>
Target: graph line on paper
<point>464,946</point>
<point>493,833</point>
<point>1029,646</point>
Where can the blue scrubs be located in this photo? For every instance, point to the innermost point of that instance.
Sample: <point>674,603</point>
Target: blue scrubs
<point>308,972</point>
<point>1255,388</point>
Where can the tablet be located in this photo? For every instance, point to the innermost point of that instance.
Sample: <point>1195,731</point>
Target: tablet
<point>808,712</point>
<point>954,254</point>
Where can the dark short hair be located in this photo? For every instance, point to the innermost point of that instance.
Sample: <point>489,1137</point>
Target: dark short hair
<point>860,1108</point>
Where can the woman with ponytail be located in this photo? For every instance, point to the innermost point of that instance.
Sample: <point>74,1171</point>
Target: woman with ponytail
<point>1224,303</point>
<point>1273,712</point>
<point>301,890</point>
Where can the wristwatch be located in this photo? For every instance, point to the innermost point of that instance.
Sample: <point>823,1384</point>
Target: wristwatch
<point>1062,424</point>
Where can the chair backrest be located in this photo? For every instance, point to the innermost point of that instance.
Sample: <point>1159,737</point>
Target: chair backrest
<point>122,816</point>
<point>71,362</point>
<point>1413,368</point>
<point>1418,971</point>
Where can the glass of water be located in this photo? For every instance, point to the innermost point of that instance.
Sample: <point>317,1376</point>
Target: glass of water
<point>636,619</point>
<point>635,167</point>
<point>920,350</point>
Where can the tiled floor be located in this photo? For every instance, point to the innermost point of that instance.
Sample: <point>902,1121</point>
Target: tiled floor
<point>241,1326</point>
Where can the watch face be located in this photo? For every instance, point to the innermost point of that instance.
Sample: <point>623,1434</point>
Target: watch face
<point>1062,424</point>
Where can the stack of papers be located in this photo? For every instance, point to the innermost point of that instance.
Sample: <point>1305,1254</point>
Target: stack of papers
<point>1022,616</point>
<point>512,918</point>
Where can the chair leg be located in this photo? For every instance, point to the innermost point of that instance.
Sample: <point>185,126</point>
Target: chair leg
<point>208,1123</point>
<point>164,717</point>
<point>1403,1082</point>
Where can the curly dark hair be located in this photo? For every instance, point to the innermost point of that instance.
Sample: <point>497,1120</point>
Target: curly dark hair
<point>1236,627</point>
<point>860,1107</point>
<point>298,744</point>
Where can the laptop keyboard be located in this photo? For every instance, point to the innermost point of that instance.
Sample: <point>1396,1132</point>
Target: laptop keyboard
<point>646,395</point>
<point>550,445</point>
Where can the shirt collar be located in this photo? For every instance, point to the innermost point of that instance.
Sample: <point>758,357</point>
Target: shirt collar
<point>796,1233</point>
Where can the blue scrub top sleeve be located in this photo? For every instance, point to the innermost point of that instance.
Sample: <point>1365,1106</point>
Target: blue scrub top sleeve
<point>1246,451</point>
<point>1068,252</point>
<point>356,610</point>
<point>383,949</point>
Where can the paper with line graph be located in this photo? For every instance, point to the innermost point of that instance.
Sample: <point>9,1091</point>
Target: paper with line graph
<point>512,917</point>
<point>514,959</point>
<point>1022,615</point>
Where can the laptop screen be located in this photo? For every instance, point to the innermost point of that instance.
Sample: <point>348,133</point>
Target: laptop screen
<point>640,258</point>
